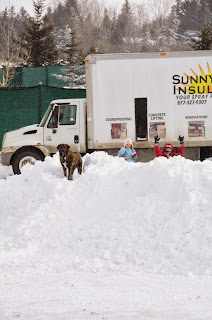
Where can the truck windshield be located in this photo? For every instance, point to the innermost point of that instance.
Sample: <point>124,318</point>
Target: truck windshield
<point>43,121</point>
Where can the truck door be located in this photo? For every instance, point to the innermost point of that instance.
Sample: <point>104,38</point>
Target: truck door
<point>62,127</point>
<point>141,118</point>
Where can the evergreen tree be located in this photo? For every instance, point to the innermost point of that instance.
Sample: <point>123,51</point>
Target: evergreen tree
<point>58,16</point>
<point>71,7</point>
<point>116,39</point>
<point>205,38</point>
<point>173,23</point>
<point>21,17</point>
<point>205,11</point>
<point>189,17</point>
<point>125,19</point>
<point>85,30</point>
<point>128,29</point>
<point>208,4</point>
<point>62,36</point>
<point>71,13</point>
<point>146,42</point>
<point>106,27</point>
<point>75,71</point>
<point>37,38</point>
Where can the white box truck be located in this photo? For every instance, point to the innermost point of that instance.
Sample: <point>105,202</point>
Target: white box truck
<point>133,96</point>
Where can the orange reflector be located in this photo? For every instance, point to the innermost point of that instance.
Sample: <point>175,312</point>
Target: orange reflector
<point>38,143</point>
<point>86,60</point>
<point>163,54</point>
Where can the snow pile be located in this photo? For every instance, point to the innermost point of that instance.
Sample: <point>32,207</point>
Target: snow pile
<point>118,216</point>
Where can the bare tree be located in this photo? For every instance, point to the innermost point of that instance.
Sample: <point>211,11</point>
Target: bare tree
<point>158,13</point>
<point>9,55</point>
<point>91,29</point>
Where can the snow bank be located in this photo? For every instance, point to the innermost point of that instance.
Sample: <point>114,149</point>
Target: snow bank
<point>5,171</point>
<point>149,217</point>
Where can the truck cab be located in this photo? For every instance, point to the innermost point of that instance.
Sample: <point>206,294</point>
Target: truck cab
<point>63,122</point>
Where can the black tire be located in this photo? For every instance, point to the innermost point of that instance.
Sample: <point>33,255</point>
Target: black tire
<point>23,157</point>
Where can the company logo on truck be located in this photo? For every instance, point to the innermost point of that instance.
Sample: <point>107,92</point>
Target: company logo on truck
<point>193,84</point>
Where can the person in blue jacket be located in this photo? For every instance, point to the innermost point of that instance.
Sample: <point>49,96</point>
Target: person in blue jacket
<point>127,152</point>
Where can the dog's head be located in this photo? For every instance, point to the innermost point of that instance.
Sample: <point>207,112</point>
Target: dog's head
<point>63,149</point>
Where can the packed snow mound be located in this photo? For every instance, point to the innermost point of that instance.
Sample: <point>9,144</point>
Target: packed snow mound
<point>151,217</point>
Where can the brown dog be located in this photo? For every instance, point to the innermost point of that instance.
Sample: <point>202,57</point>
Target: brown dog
<point>69,160</point>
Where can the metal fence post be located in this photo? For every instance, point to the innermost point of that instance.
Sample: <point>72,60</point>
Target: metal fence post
<point>40,101</point>
<point>47,76</point>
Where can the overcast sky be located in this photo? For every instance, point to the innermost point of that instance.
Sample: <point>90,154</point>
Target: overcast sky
<point>27,4</point>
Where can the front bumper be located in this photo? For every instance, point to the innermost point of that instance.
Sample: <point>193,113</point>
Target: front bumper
<point>5,158</point>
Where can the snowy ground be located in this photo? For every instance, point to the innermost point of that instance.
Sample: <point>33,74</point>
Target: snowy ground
<point>122,241</point>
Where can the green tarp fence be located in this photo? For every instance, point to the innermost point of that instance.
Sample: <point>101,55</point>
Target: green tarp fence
<point>32,76</point>
<point>25,106</point>
<point>17,80</point>
<point>47,75</point>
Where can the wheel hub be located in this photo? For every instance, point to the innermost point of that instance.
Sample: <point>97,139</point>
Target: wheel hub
<point>25,160</point>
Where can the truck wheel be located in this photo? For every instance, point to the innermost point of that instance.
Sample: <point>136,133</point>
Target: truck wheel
<point>25,157</point>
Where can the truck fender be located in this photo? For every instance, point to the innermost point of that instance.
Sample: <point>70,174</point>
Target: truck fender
<point>42,150</point>
<point>27,154</point>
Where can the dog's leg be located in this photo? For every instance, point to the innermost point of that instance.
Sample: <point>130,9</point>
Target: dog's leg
<point>79,168</point>
<point>64,170</point>
<point>70,173</point>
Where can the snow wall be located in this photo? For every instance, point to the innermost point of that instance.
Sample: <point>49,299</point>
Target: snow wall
<point>151,217</point>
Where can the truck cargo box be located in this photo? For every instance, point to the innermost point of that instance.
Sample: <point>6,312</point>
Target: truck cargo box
<point>141,95</point>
